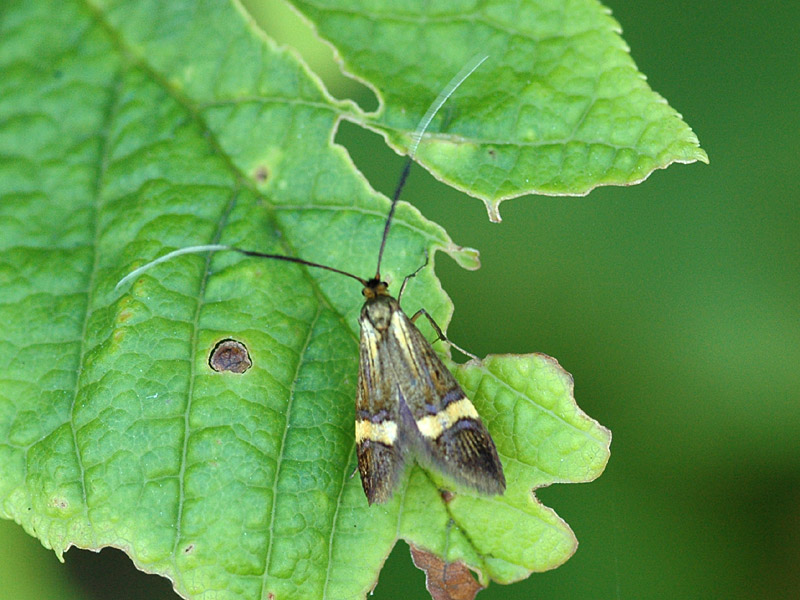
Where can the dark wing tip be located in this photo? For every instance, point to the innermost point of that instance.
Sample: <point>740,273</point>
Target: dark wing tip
<point>466,452</point>
<point>380,467</point>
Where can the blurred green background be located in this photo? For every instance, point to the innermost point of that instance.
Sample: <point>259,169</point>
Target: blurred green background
<point>675,304</point>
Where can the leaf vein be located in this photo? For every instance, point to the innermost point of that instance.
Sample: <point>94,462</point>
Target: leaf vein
<point>192,374</point>
<point>290,402</point>
<point>114,102</point>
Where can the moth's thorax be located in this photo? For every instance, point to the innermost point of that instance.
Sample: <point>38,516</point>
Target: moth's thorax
<point>379,306</point>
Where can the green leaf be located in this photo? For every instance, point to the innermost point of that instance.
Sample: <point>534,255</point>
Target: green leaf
<point>559,108</point>
<point>129,129</point>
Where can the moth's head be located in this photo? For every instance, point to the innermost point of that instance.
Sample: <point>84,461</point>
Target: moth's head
<point>374,288</point>
<point>378,309</point>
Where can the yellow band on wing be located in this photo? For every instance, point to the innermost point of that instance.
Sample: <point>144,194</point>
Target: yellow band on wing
<point>432,426</point>
<point>400,332</point>
<point>385,432</point>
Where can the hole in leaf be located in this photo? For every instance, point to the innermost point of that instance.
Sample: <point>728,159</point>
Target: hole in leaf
<point>230,355</point>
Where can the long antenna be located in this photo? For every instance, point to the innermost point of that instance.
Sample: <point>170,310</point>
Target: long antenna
<point>448,90</point>
<point>216,247</point>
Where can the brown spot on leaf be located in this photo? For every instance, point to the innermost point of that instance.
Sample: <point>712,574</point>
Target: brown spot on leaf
<point>446,495</point>
<point>61,503</point>
<point>261,174</point>
<point>445,581</point>
<point>230,355</point>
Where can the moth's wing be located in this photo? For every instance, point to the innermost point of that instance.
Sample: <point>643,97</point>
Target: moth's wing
<point>379,440</point>
<point>446,427</point>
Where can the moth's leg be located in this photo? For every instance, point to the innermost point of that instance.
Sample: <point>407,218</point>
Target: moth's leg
<point>440,333</point>
<point>434,324</point>
<point>414,274</point>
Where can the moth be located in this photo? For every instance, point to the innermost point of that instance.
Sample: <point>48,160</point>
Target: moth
<point>408,404</point>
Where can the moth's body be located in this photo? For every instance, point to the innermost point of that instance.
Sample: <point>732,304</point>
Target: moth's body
<point>409,404</point>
